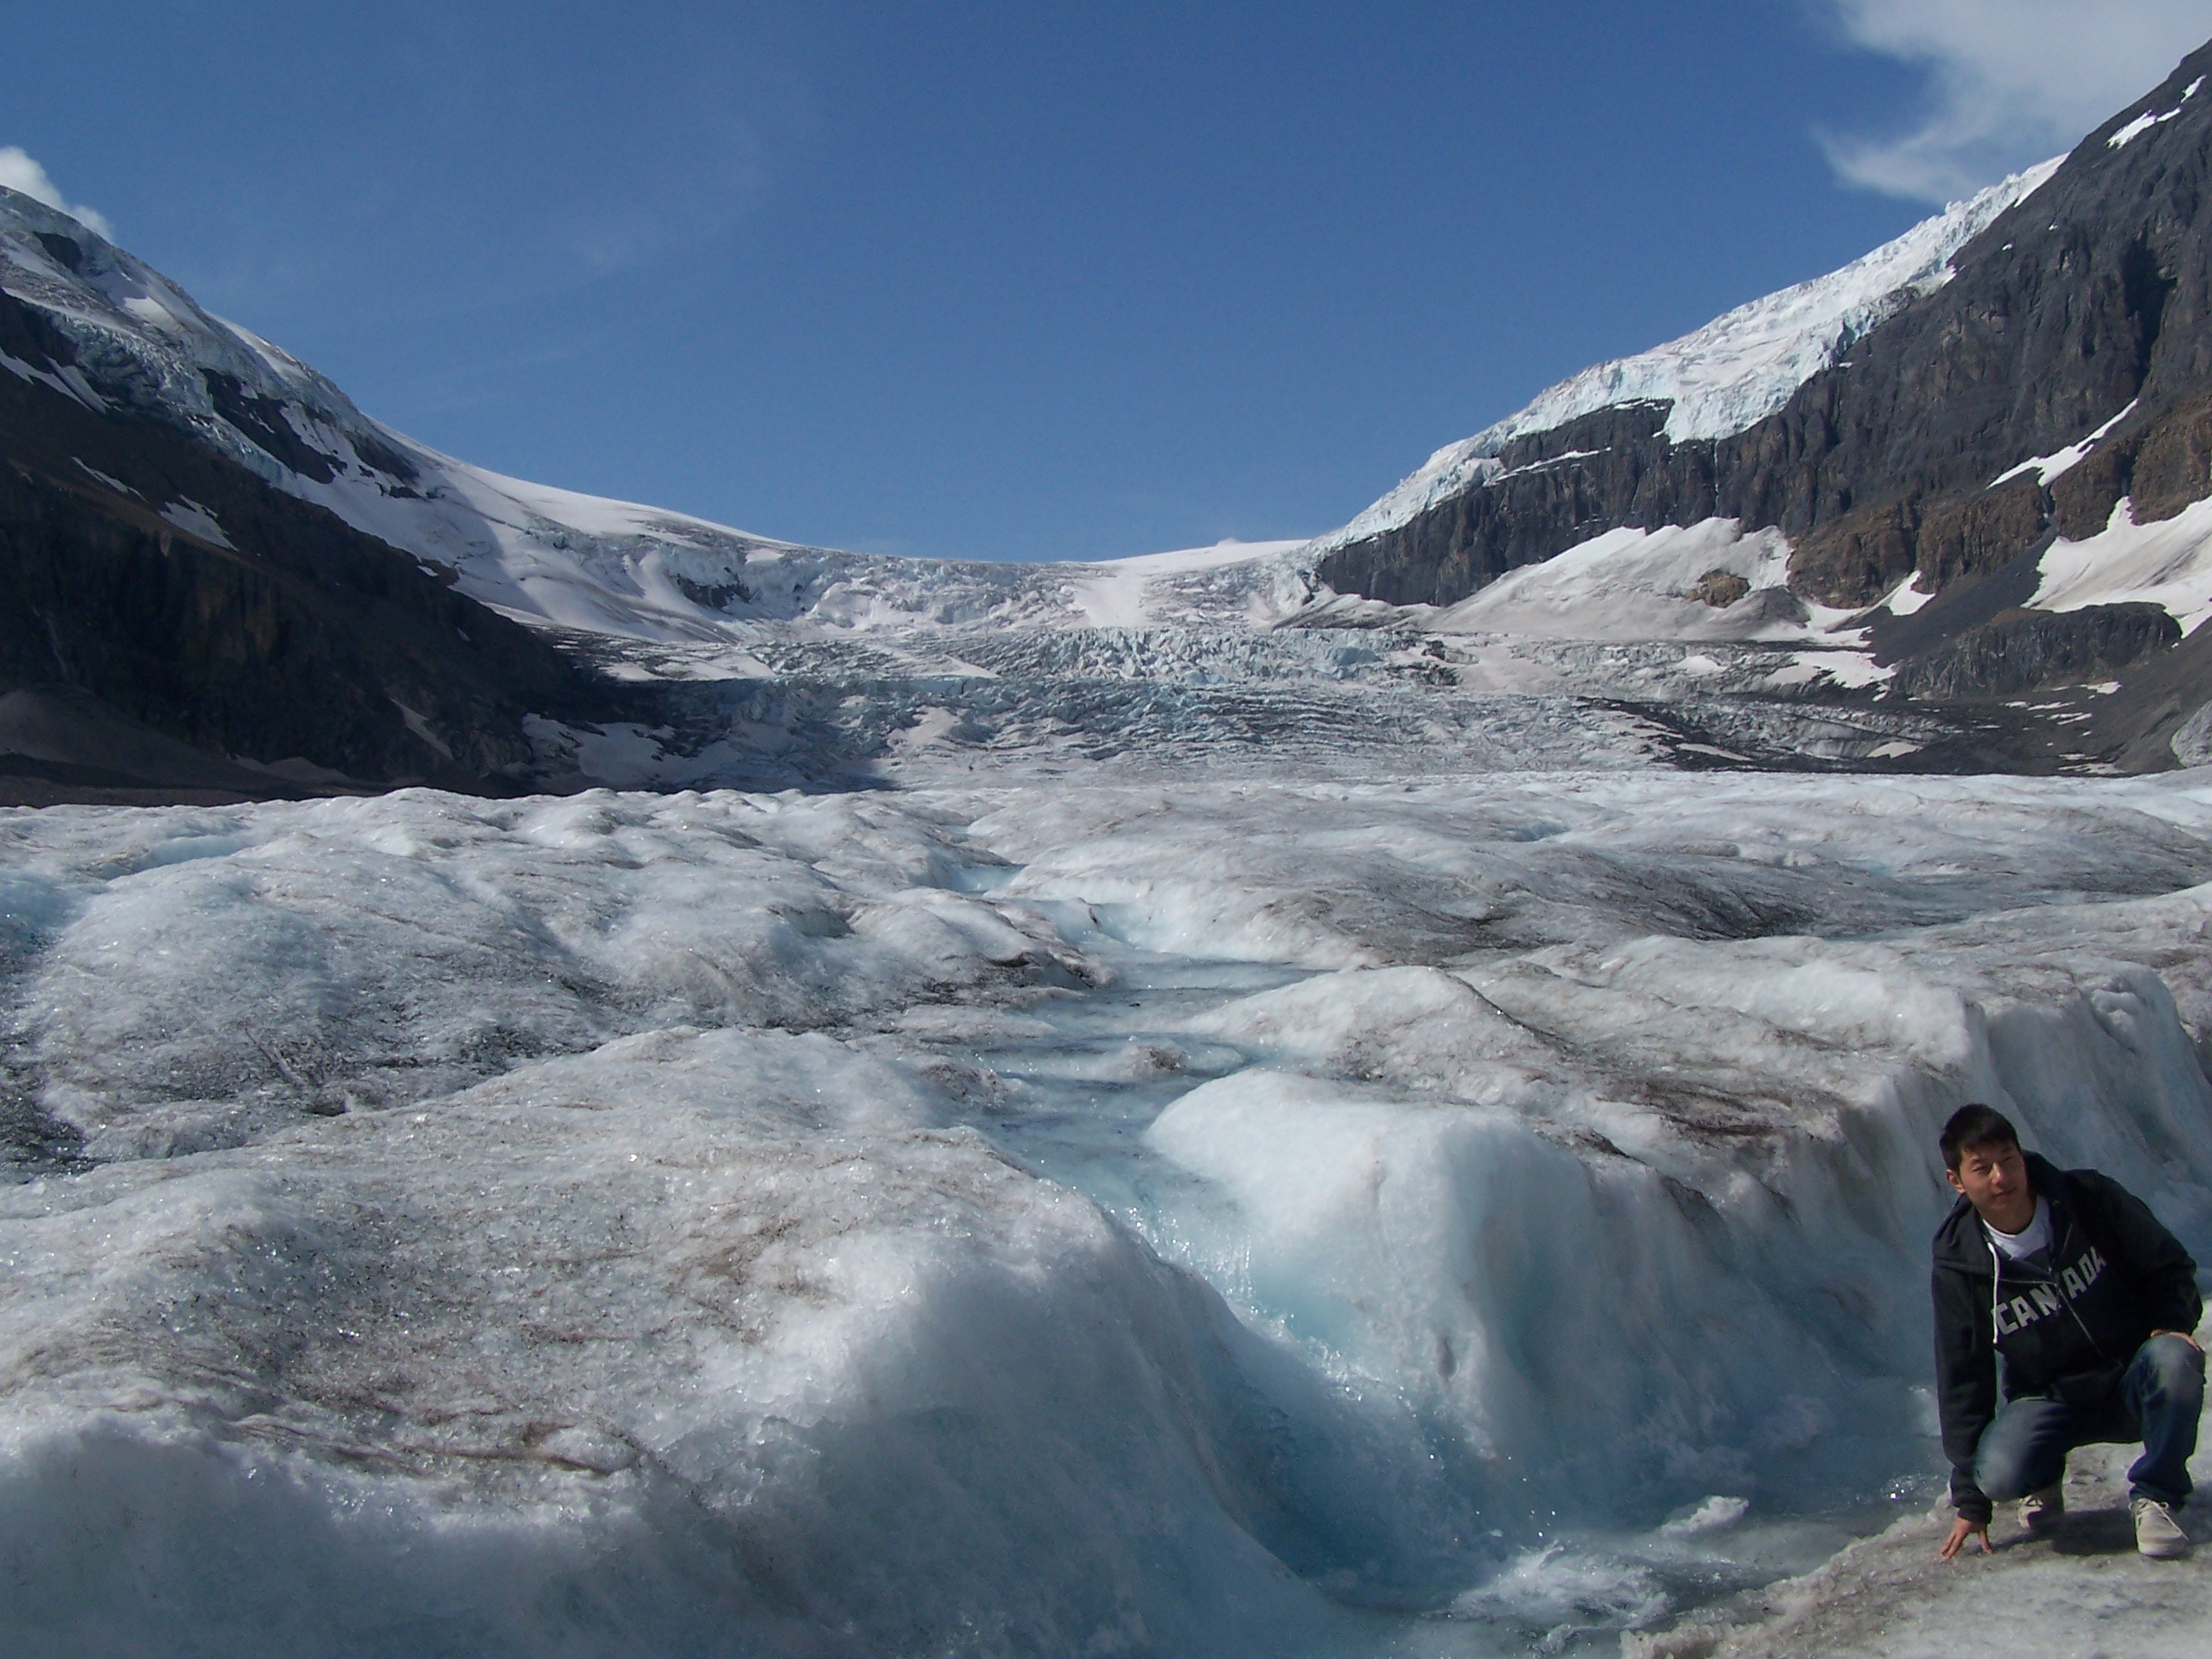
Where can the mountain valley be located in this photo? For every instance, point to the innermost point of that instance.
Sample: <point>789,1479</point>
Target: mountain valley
<point>1939,511</point>
<point>577,1080</point>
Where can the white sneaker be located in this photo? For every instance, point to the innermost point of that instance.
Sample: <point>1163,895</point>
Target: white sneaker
<point>2158,1535</point>
<point>2040,1512</point>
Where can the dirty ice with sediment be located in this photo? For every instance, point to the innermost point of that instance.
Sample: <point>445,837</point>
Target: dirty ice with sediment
<point>1240,1141</point>
<point>1427,1216</point>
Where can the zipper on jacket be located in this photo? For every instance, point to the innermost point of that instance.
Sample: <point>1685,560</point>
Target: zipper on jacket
<point>2055,1281</point>
<point>2066,1297</point>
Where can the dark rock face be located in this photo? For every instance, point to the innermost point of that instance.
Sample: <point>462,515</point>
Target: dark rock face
<point>2093,295</point>
<point>1555,489</point>
<point>1857,559</point>
<point>66,251</point>
<point>1722,588</point>
<point>2167,466</point>
<point>283,636</point>
<point>713,595</point>
<point>262,419</point>
<point>2019,650</point>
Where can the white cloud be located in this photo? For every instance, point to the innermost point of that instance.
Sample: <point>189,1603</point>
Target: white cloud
<point>18,172</point>
<point>2011,82</point>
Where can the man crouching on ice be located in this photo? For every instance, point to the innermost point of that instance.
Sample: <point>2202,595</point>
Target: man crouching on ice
<point>2090,1302</point>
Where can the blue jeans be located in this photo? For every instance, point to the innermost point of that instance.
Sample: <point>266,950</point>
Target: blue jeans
<point>2157,1401</point>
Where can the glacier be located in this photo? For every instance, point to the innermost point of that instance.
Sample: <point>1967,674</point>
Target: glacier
<point>1144,1107</point>
<point>1183,1215</point>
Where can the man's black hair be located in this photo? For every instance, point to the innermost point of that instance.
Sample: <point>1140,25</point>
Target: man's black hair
<point>1974,1126</point>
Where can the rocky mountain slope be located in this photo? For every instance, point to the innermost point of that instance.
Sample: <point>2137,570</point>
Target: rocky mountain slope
<point>179,629</point>
<point>2015,390</point>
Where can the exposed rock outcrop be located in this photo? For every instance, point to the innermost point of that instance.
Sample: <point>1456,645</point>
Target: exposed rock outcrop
<point>1722,588</point>
<point>2020,650</point>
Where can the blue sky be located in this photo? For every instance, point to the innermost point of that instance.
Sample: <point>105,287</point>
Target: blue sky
<point>1011,281</point>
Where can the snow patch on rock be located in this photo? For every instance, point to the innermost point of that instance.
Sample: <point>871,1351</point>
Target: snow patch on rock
<point>2167,564</point>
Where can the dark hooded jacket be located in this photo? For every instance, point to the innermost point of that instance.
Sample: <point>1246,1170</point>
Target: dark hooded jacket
<point>2066,1324</point>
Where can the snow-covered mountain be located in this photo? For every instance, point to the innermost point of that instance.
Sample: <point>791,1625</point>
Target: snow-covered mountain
<point>143,347</point>
<point>1976,452</point>
<point>1733,373</point>
<point>151,436</point>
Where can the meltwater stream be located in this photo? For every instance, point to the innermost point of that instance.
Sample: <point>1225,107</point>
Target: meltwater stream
<point>1082,1082</point>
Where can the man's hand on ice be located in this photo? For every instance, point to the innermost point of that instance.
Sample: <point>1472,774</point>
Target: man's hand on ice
<point>1961,1530</point>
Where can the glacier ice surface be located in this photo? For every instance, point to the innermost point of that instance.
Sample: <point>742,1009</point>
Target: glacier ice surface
<point>1425,1215</point>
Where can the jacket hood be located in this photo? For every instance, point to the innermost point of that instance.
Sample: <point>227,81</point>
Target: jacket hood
<point>1960,1242</point>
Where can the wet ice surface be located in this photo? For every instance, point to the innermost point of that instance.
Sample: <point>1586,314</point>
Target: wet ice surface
<point>2084,1591</point>
<point>1088,1080</point>
<point>1443,1215</point>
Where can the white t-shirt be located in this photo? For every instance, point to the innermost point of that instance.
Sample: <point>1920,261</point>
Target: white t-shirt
<point>2036,1236</point>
